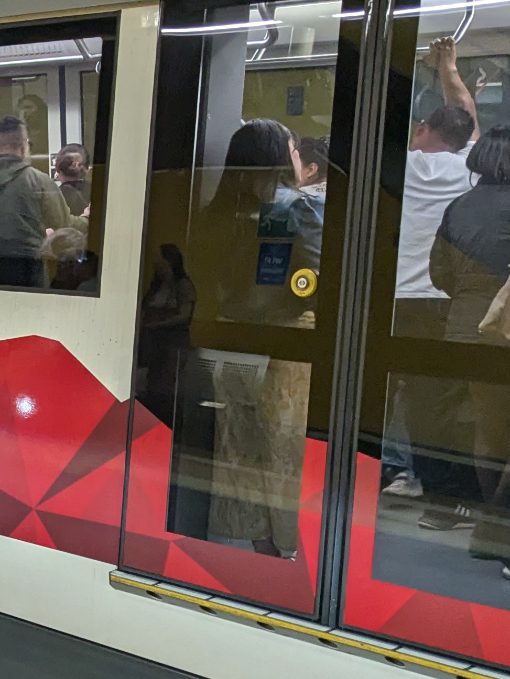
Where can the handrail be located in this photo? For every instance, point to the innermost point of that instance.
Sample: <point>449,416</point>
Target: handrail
<point>461,30</point>
<point>84,50</point>
<point>272,33</point>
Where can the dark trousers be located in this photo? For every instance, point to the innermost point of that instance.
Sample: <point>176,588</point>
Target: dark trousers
<point>438,411</point>
<point>21,271</point>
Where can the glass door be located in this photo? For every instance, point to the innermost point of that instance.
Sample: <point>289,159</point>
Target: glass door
<point>239,311</point>
<point>429,549</point>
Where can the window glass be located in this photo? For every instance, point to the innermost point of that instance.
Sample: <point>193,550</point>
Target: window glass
<point>447,438</point>
<point>51,207</point>
<point>17,94</point>
<point>239,312</point>
<point>272,198</point>
<point>429,544</point>
<point>453,253</point>
<point>89,102</point>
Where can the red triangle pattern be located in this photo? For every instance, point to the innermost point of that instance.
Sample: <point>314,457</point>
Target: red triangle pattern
<point>407,614</point>
<point>32,530</point>
<point>493,631</point>
<point>187,569</point>
<point>422,617</point>
<point>62,440</point>
<point>44,423</point>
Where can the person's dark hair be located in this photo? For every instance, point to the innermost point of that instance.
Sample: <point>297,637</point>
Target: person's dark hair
<point>261,144</point>
<point>12,134</point>
<point>490,156</point>
<point>63,159</point>
<point>11,125</point>
<point>315,151</point>
<point>173,256</point>
<point>454,125</point>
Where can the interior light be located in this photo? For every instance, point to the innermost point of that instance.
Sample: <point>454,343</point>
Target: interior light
<point>349,15</point>
<point>221,28</point>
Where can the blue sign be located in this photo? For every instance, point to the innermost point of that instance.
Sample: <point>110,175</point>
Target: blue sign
<point>273,264</point>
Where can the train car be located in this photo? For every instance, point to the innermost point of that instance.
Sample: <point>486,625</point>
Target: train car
<point>202,367</point>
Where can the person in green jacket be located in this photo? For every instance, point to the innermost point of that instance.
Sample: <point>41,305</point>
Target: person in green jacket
<point>30,204</point>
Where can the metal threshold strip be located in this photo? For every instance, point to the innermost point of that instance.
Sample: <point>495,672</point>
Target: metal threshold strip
<point>347,642</point>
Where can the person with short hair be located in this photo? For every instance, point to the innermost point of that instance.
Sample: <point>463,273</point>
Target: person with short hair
<point>421,411</point>
<point>30,204</point>
<point>72,165</point>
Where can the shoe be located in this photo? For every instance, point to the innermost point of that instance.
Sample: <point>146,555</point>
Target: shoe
<point>389,473</point>
<point>462,517</point>
<point>506,572</point>
<point>404,485</point>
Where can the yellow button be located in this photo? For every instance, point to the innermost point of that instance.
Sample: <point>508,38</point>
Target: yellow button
<point>304,283</point>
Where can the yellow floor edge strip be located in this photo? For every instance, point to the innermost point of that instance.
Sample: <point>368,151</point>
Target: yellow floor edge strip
<point>276,624</point>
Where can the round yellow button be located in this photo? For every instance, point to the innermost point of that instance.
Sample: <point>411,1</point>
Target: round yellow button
<point>304,283</point>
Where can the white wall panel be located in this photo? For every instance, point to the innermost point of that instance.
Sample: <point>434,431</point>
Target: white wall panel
<point>72,594</point>
<point>100,332</point>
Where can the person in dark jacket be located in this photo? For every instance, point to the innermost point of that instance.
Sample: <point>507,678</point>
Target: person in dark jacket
<point>30,204</point>
<point>72,164</point>
<point>469,261</point>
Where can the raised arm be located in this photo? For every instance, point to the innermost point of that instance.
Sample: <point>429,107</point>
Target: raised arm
<point>444,57</point>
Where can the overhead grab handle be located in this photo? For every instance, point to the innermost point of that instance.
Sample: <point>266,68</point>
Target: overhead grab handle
<point>462,28</point>
<point>272,32</point>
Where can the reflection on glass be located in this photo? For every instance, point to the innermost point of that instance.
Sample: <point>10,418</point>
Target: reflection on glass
<point>33,111</point>
<point>260,187</point>
<point>261,229</point>
<point>45,184</point>
<point>448,531</point>
<point>167,311</point>
<point>252,244</point>
<point>238,452</point>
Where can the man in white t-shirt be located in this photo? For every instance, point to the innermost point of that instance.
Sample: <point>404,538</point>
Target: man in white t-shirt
<point>436,174</point>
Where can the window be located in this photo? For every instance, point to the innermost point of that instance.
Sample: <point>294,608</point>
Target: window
<point>240,303</point>
<point>53,155</point>
<point>429,549</point>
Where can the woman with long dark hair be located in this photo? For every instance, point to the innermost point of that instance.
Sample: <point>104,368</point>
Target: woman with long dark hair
<point>258,229</point>
<point>258,213</point>
<point>470,261</point>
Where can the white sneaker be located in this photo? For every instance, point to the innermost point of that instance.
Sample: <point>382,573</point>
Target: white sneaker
<point>506,572</point>
<point>404,486</point>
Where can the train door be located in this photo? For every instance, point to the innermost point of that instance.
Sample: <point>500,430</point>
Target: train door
<point>239,308</point>
<point>429,550</point>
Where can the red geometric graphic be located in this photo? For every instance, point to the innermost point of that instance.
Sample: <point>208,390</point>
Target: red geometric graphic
<point>225,569</point>
<point>403,613</point>
<point>62,450</point>
<point>60,429</point>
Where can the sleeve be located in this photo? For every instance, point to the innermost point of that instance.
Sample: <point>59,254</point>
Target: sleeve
<point>306,219</point>
<point>441,265</point>
<point>55,211</point>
